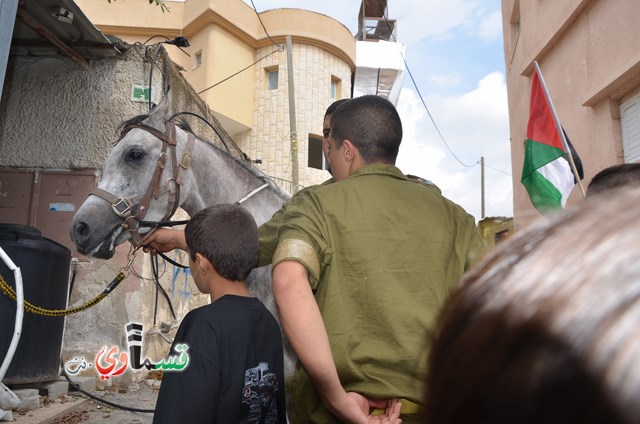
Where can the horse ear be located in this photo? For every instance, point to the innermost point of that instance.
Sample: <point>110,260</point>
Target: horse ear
<point>160,113</point>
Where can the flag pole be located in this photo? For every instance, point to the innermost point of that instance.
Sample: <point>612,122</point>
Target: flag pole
<point>565,145</point>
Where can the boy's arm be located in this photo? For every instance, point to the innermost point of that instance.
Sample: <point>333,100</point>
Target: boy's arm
<point>165,240</point>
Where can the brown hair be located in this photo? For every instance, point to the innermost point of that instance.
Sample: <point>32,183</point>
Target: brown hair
<point>545,328</point>
<point>227,236</point>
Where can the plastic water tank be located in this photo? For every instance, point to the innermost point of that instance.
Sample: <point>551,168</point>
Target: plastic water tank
<point>44,264</point>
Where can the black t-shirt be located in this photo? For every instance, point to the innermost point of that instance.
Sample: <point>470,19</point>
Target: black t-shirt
<point>235,372</point>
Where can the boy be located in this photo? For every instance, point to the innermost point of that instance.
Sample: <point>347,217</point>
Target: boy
<point>235,371</point>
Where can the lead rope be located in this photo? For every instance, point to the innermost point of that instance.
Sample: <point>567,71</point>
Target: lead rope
<point>31,308</point>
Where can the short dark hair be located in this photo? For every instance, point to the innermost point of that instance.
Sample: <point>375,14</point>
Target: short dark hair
<point>333,106</point>
<point>613,177</point>
<point>227,235</point>
<point>372,124</point>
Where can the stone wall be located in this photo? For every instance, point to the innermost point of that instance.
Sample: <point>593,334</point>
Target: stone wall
<point>270,140</point>
<point>55,115</point>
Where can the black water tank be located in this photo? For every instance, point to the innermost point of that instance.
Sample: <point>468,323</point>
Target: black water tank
<point>44,265</point>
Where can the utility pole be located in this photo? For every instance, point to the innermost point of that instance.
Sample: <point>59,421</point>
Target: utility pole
<point>292,118</point>
<point>482,187</point>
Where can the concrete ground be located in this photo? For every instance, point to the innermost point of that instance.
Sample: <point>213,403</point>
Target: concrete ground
<point>76,408</point>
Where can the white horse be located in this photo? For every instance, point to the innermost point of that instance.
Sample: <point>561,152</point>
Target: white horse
<point>157,166</point>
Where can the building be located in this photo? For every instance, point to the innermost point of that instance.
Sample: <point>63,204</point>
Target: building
<point>495,230</point>
<point>589,54</point>
<point>379,56</point>
<point>237,62</point>
<point>66,92</point>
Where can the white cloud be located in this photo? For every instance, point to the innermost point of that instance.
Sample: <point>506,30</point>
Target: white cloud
<point>490,27</point>
<point>416,19</point>
<point>420,19</point>
<point>473,124</point>
<point>444,80</point>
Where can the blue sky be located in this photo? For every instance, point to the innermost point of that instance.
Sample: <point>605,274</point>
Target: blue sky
<point>454,50</point>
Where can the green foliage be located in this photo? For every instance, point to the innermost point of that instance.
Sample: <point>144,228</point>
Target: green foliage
<point>160,3</point>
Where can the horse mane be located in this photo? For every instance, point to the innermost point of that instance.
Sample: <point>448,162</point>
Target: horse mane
<point>133,121</point>
<point>251,169</point>
<point>185,126</point>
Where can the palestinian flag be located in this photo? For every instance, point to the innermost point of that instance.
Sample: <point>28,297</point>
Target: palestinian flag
<point>546,173</point>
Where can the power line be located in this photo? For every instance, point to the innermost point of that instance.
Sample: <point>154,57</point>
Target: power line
<point>433,121</point>
<point>496,169</point>
<point>240,71</point>
<point>279,46</point>
<point>421,98</point>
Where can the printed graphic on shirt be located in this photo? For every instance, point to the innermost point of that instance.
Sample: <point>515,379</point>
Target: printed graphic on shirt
<point>259,395</point>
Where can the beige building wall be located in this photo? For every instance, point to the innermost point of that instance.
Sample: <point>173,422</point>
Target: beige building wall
<point>589,54</point>
<point>226,37</point>
<point>270,140</point>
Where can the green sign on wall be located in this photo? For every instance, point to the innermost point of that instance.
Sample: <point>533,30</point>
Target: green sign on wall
<point>139,93</point>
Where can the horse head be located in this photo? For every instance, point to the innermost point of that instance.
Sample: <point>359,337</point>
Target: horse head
<point>156,166</point>
<point>144,177</point>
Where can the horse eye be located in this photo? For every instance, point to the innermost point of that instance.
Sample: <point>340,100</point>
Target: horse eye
<point>135,155</point>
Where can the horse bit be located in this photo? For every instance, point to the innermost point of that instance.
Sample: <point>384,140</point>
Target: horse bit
<point>133,210</point>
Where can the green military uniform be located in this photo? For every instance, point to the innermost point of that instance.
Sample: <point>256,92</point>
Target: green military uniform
<point>268,232</point>
<point>382,254</point>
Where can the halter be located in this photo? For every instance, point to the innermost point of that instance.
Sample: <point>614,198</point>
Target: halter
<point>133,210</point>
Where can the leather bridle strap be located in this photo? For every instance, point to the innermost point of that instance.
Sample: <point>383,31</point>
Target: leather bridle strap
<point>132,211</point>
<point>123,208</point>
<point>154,185</point>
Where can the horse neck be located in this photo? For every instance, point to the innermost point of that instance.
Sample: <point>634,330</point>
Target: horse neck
<point>218,178</point>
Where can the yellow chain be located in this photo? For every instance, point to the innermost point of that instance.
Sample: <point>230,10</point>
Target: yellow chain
<point>8,290</point>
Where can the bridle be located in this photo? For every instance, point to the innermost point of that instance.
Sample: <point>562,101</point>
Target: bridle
<point>133,210</point>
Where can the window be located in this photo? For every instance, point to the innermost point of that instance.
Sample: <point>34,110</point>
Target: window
<point>316,157</point>
<point>272,78</point>
<point>336,88</point>
<point>630,123</point>
<point>197,59</point>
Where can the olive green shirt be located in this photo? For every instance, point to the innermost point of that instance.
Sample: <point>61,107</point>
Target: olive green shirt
<point>268,231</point>
<point>383,253</point>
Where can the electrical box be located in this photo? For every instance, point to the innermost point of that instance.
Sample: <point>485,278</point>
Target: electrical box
<point>45,199</point>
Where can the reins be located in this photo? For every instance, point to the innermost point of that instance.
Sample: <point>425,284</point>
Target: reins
<point>133,209</point>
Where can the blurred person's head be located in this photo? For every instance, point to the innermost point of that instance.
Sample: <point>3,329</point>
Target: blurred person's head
<point>614,177</point>
<point>545,329</point>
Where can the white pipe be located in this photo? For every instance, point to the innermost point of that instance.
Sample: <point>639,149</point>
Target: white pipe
<point>19,313</point>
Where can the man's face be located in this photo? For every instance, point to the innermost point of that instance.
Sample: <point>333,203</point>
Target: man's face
<point>337,160</point>
<point>326,130</point>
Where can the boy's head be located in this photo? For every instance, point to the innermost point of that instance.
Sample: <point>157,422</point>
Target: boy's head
<point>227,236</point>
